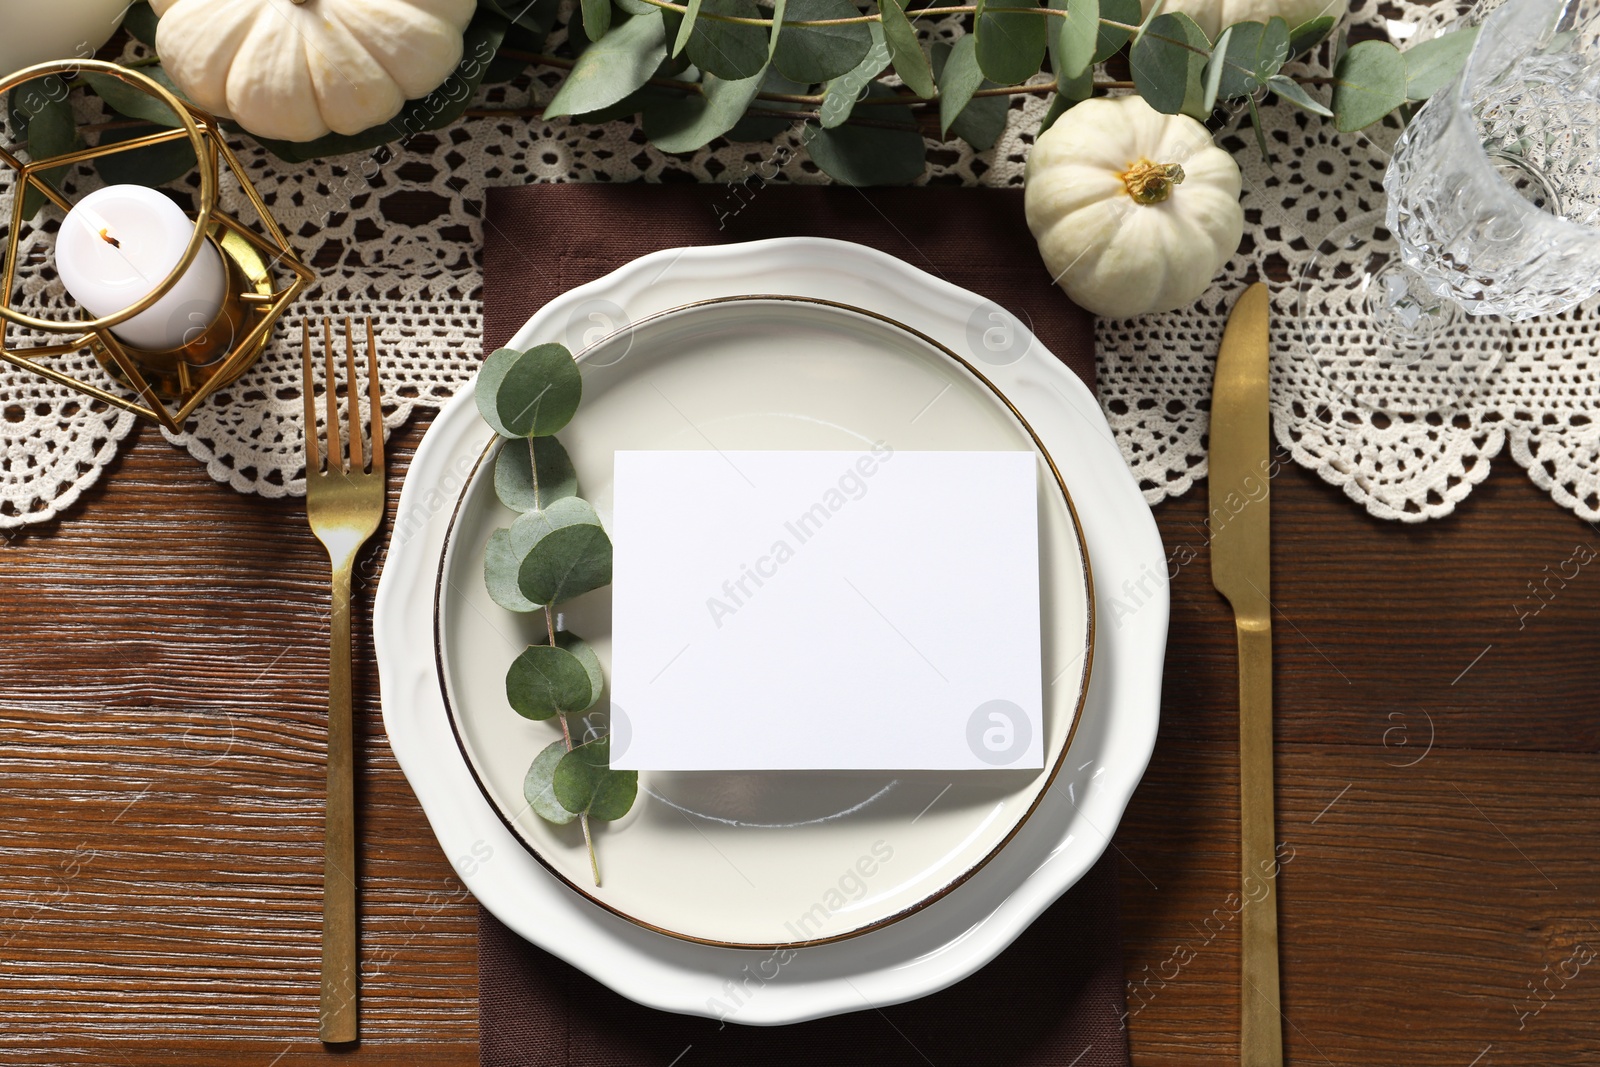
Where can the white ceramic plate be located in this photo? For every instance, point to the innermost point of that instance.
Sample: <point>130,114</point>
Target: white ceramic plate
<point>762,860</point>
<point>943,942</point>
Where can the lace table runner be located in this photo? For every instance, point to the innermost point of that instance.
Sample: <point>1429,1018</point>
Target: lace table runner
<point>399,240</point>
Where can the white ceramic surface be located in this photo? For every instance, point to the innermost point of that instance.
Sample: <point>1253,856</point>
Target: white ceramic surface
<point>774,858</point>
<point>944,942</point>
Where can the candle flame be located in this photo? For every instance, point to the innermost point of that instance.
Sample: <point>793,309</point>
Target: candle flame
<point>105,235</point>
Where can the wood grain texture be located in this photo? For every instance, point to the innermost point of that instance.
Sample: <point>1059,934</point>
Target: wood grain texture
<point>161,710</point>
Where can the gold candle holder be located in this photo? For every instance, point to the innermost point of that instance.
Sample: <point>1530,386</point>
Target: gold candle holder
<point>263,272</point>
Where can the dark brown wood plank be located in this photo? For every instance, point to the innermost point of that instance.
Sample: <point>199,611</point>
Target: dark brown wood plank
<point>160,772</point>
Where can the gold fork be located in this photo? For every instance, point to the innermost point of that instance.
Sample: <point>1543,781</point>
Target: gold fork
<point>344,503</point>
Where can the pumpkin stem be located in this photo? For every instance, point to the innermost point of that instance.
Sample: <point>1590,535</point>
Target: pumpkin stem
<point>1151,183</point>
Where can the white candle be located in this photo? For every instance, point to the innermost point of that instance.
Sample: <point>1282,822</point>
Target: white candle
<point>118,244</point>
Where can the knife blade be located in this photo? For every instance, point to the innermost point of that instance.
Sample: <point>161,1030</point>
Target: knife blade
<point>1240,532</point>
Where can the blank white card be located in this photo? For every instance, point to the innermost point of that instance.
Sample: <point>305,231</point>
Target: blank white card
<point>826,610</point>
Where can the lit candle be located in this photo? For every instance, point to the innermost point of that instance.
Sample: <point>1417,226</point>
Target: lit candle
<point>118,244</point>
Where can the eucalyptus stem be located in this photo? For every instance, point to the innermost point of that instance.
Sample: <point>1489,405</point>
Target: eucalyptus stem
<point>566,737</point>
<point>814,100</point>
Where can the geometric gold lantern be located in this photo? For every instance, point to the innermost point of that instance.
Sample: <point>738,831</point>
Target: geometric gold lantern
<point>263,273</point>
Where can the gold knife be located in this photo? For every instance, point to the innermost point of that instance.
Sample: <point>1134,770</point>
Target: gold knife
<point>1240,521</point>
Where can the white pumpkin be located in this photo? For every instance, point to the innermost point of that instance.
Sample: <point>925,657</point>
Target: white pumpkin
<point>295,70</point>
<point>1214,16</point>
<point>1134,211</point>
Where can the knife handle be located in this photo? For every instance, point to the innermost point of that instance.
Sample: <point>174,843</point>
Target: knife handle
<point>1260,1019</point>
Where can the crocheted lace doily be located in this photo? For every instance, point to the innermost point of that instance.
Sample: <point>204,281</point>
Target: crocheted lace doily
<point>421,281</point>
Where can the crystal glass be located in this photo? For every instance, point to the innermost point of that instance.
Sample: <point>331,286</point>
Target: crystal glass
<point>1494,188</point>
<point>1492,215</point>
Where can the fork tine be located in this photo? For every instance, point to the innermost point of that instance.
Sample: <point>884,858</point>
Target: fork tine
<point>352,397</point>
<point>308,389</point>
<point>335,448</point>
<point>375,399</point>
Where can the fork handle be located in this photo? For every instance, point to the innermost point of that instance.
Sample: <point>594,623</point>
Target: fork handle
<point>1260,1018</point>
<point>340,1002</point>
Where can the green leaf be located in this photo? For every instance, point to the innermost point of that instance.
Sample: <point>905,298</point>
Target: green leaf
<point>910,61</point>
<point>40,110</point>
<point>584,782</point>
<point>1306,36</point>
<point>872,155</point>
<point>1255,124</point>
<point>545,680</point>
<point>608,71</point>
<point>1214,69</point>
<point>140,21</point>
<point>529,394</point>
<point>958,80</point>
<point>1254,52</point>
<point>1112,38</point>
<point>839,96</point>
<point>502,563</point>
<point>767,127</point>
<point>779,10</point>
<point>153,165</point>
<point>533,474</point>
<point>614,795</point>
<point>686,27</point>
<point>1011,44</point>
<point>729,50</point>
<point>570,553</point>
<point>1069,88</point>
<point>1369,82</point>
<point>1432,65</point>
<point>1077,39</point>
<point>686,123</point>
<point>596,18</point>
<point>136,103</point>
<point>815,54</point>
<point>538,786</point>
<point>980,120</point>
<point>1296,94</point>
<point>1168,73</point>
<point>438,109</point>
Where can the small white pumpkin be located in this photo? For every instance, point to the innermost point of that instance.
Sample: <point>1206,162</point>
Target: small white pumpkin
<point>1214,16</point>
<point>1134,211</point>
<point>295,70</point>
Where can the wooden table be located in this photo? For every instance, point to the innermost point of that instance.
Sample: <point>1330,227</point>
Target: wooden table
<point>161,711</point>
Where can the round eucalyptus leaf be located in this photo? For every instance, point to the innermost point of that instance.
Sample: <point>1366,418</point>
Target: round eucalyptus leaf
<point>910,61</point>
<point>538,786</point>
<point>614,795</point>
<point>814,54</point>
<point>611,69</point>
<point>1112,38</point>
<point>579,772</point>
<point>546,680</point>
<point>502,562</point>
<point>730,50</point>
<point>871,155</point>
<point>539,392</point>
<point>1167,68</point>
<point>567,562</point>
<point>533,474</point>
<point>1011,44</point>
<point>1369,83</point>
<point>1308,35</point>
<point>490,376</point>
<point>840,95</point>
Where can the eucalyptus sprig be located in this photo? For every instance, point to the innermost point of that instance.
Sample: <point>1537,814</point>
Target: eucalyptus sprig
<point>555,550</point>
<point>855,78</point>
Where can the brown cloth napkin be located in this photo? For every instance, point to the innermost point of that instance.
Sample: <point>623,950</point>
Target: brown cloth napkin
<point>1055,998</point>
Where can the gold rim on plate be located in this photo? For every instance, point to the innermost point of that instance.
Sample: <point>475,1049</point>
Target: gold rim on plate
<point>931,898</point>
